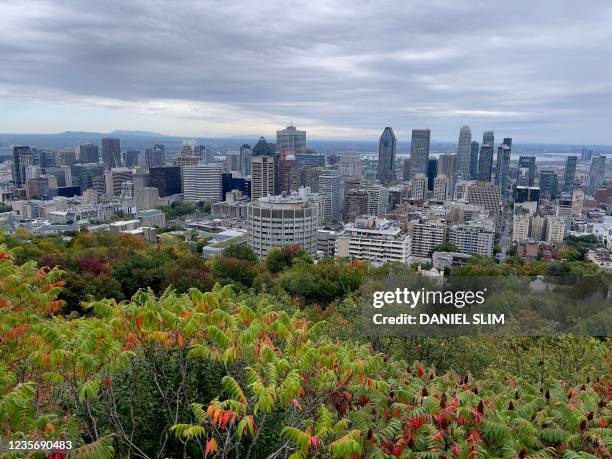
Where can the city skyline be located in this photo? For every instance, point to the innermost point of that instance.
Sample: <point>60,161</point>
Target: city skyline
<point>193,69</point>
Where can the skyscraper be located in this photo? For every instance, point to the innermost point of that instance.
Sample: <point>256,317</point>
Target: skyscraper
<point>156,156</point>
<point>291,139</point>
<point>596,173</point>
<point>419,151</point>
<point>88,153</point>
<point>350,166</point>
<point>202,183</point>
<point>488,138</point>
<point>167,180</point>
<point>464,152</point>
<point>527,171</point>
<point>245,160</point>
<point>447,165</point>
<point>474,148</point>
<point>432,172</point>
<point>386,156</point>
<point>485,163</point>
<point>503,170</point>
<point>22,158</point>
<point>262,176</point>
<point>502,173</point>
<point>570,173</point>
<point>548,183</point>
<point>331,188</point>
<point>286,166</point>
<point>111,152</point>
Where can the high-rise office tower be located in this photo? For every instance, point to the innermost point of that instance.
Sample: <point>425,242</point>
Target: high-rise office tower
<point>503,170</point>
<point>167,180</point>
<point>111,152</point>
<point>597,173</point>
<point>156,156</point>
<point>88,153</point>
<point>386,156</point>
<point>474,149</point>
<point>262,147</point>
<point>570,173</point>
<point>133,158</point>
<point>291,139</point>
<point>548,183</point>
<point>419,151</point>
<point>406,169</point>
<point>286,166</point>
<point>22,158</point>
<point>245,160</point>
<point>262,176</point>
<point>350,166</point>
<point>502,174</point>
<point>202,183</point>
<point>447,165</point>
<point>464,152</point>
<point>485,163</point>
<point>432,172</point>
<point>331,189</point>
<point>488,138</point>
<point>586,154</point>
<point>527,171</point>
<point>310,159</point>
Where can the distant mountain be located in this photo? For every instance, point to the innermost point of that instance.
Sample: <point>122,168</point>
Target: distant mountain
<point>137,134</point>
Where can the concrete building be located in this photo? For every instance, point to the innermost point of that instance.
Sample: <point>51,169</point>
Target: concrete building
<point>331,190</point>
<point>115,178</point>
<point>555,230</point>
<point>281,221</point>
<point>355,204</point>
<point>262,176</point>
<point>378,199</point>
<point>374,239</point>
<point>486,195</point>
<point>146,198</point>
<point>520,227</point>
<point>440,188</point>
<point>474,237</point>
<point>426,235</point>
<point>419,187</point>
<point>350,166</point>
<point>202,183</point>
<point>152,217</point>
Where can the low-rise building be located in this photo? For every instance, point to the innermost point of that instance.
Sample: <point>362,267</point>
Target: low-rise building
<point>376,240</point>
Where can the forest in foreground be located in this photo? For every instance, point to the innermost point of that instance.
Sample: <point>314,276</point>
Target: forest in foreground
<point>127,349</point>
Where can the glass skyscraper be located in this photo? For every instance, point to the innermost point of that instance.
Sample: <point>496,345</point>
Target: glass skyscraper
<point>419,152</point>
<point>386,156</point>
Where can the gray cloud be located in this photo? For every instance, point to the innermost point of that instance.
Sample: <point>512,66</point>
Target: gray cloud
<point>537,71</point>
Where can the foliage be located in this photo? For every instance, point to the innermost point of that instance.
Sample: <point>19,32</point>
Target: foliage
<point>240,252</point>
<point>280,258</point>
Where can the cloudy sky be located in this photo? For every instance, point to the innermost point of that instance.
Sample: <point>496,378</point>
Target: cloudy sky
<point>538,71</point>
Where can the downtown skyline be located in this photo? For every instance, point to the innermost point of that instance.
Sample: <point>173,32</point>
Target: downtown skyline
<point>216,70</point>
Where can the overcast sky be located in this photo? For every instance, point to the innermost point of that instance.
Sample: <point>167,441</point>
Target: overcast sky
<point>537,71</point>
